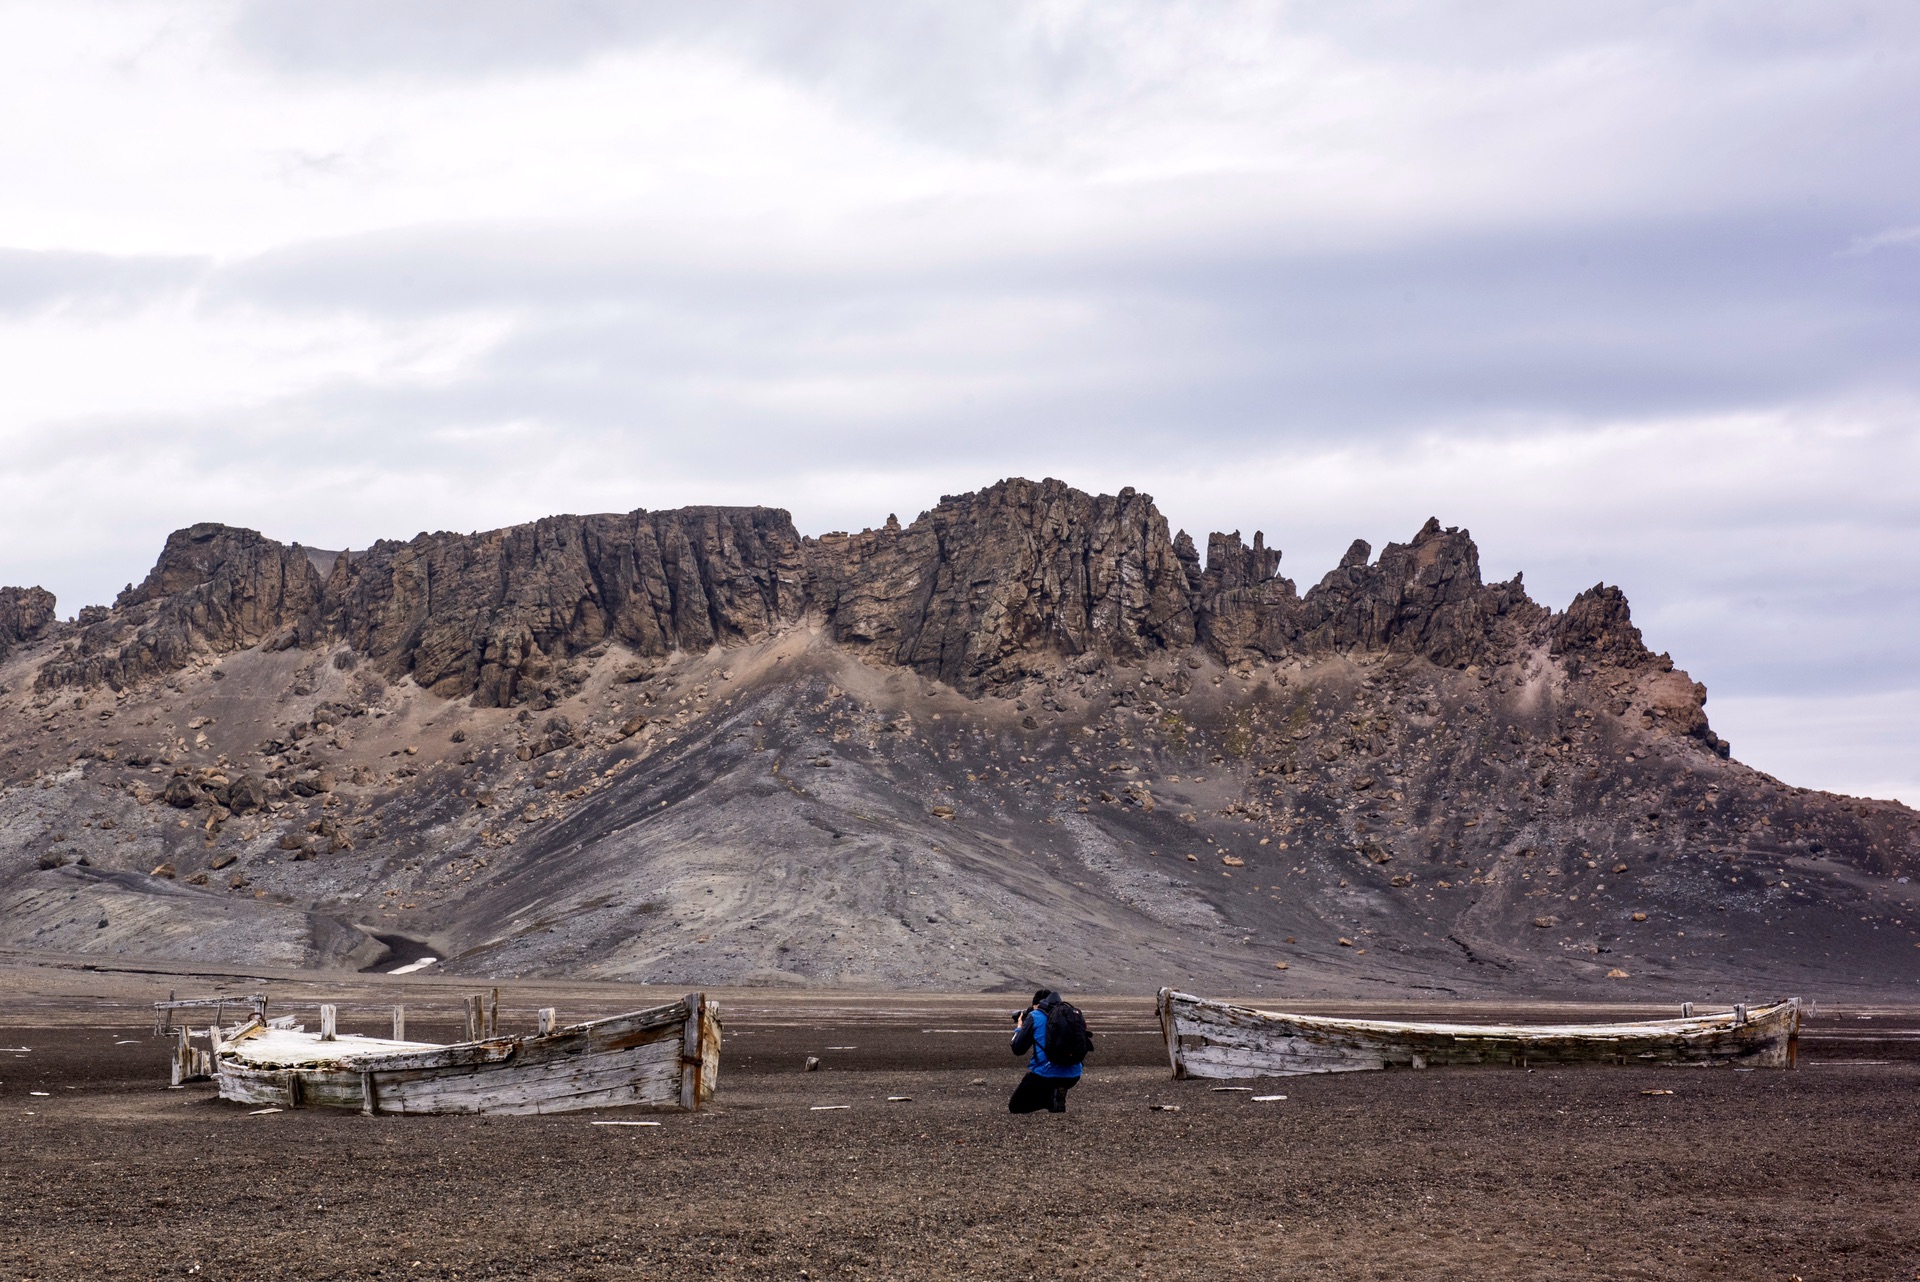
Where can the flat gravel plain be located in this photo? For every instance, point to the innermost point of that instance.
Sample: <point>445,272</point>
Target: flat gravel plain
<point>1494,1174</point>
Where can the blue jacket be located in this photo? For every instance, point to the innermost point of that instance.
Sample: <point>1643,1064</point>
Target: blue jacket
<point>1033,1033</point>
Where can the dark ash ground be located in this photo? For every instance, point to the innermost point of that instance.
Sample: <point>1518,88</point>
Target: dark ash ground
<point>1484,1174</point>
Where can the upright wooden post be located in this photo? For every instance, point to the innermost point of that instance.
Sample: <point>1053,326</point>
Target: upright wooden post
<point>548,1020</point>
<point>327,1019</point>
<point>690,1054</point>
<point>493,1013</point>
<point>1686,1010</point>
<point>1164,1005</point>
<point>1739,1014</point>
<point>473,1017</point>
<point>399,1023</point>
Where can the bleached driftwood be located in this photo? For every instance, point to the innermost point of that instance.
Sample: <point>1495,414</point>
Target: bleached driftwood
<point>667,1056</point>
<point>1213,1039</point>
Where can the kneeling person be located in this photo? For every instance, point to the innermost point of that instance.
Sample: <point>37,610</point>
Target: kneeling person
<point>1057,1035</point>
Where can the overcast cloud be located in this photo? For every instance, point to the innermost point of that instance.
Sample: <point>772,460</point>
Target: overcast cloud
<point>1631,290</point>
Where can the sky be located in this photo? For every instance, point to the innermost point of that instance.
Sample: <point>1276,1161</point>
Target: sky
<point>1629,289</point>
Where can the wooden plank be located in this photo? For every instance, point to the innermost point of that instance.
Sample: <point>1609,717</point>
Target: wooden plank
<point>709,1052</point>
<point>399,1023</point>
<point>328,1017</point>
<point>1215,1039</point>
<point>690,1053</point>
<point>637,1058</point>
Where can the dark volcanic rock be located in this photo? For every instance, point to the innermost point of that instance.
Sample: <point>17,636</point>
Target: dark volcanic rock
<point>985,582</point>
<point>985,588</point>
<point>1598,625</point>
<point>1423,597</point>
<point>215,588</point>
<point>493,614</point>
<point>24,615</point>
<point>1405,776</point>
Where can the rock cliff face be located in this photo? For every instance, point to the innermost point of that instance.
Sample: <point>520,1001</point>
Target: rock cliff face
<point>694,746</point>
<point>986,583</point>
<point>496,615</point>
<point>975,593</point>
<point>215,589</point>
<point>24,615</point>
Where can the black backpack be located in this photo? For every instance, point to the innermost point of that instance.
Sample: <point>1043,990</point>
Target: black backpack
<point>1068,1040</point>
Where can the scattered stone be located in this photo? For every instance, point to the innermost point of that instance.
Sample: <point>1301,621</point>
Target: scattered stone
<point>812,1065</point>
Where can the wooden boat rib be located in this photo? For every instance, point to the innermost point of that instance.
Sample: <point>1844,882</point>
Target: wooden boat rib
<point>1214,1039</point>
<point>666,1056</point>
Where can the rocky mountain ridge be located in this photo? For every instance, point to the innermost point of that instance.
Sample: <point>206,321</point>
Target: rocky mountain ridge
<point>574,743</point>
<point>972,593</point>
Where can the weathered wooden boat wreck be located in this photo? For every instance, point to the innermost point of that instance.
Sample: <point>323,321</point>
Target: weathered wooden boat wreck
<point>1214,1039</point>
<point>666,1056</point>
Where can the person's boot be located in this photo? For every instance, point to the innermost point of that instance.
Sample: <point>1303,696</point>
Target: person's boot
<point>1059,1104</point>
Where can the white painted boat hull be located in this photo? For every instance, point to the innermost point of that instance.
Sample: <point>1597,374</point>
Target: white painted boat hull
<point>667,1057</point>
<point>1213,1039</point>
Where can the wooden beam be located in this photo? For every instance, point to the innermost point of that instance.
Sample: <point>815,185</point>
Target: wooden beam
<point>690,1053</point>
<point>327,1018</point>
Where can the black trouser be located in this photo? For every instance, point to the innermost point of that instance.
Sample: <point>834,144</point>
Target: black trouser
<point>1036,1092</point>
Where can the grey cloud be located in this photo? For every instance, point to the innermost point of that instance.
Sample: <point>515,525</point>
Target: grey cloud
<point>35,280</point>
<point>977,73</point>
<point>946,68</point>
<point>1137,343</point>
